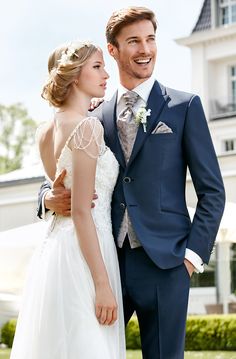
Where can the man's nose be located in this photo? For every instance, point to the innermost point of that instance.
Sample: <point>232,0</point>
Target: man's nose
<point>144,47</point>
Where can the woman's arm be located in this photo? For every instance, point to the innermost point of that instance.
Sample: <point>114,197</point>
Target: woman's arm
<point>85,147</point>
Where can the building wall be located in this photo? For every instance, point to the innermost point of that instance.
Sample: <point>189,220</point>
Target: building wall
<point>211,59</point>
<point>18,205</point>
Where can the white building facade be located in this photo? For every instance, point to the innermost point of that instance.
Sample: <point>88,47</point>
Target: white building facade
<point>213,53</point>
<point>213,50</point>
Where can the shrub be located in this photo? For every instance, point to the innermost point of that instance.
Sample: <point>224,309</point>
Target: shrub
<point>132,335</point>
<point>208,332</point>
<point>8,332</point>
<point>211,332</point>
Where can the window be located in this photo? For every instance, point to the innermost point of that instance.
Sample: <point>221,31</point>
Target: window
<point>208,277</point>
<point>233,268</point>
<point>233,85</point>
<point>227,12</point>
<point>229,145</point>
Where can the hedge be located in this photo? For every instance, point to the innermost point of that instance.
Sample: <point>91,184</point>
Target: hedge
<point>208,332</point>
<point>211,332</point>
<point>8,332</point>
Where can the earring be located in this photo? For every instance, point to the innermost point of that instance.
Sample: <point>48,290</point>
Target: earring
<point>76,82</point>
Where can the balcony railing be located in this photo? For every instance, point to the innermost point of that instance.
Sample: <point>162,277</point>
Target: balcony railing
<point>222,108</point>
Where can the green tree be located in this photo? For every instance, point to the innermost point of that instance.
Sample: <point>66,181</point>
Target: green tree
<point>17,132</point>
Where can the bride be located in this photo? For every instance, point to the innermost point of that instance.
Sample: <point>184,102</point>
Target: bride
<point>72,302</point>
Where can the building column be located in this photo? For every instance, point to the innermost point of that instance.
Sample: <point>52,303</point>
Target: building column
<point>223,274</point>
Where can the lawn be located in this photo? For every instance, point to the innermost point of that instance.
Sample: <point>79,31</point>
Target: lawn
<point>4,353</point>
<point>136,354</point>
<point>210,355</point>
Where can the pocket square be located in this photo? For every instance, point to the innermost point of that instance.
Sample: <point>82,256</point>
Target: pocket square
<point>160,128</point>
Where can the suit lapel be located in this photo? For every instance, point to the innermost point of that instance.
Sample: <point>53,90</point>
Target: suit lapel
<point>156,102</point>
<point>111,133</point>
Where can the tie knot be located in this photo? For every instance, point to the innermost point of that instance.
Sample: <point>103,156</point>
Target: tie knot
<point>130,98</point>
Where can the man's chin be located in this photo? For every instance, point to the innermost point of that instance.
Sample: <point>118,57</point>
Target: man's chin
<point>142,76</point>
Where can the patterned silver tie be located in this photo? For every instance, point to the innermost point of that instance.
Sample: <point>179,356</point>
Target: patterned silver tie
<point>127,128</point>
<point>127,131</point>
<point>130,98</point>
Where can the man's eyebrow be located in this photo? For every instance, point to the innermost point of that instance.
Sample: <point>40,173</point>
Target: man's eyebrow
<point>132,38</point>
<point>136,37</point>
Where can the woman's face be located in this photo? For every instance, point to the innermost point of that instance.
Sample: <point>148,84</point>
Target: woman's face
<point>93,77</point>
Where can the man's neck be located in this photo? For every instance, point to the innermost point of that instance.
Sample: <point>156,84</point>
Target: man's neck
<point>142,89</point>
<point>132,83</point>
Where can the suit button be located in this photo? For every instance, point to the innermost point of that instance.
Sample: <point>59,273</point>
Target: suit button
<point>122,205</point>
<point>127,179</point>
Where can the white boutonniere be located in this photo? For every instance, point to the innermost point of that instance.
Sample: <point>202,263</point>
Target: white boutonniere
<point>141,117</point>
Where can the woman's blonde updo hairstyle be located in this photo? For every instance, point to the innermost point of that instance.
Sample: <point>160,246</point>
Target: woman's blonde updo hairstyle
<point>64,66</point>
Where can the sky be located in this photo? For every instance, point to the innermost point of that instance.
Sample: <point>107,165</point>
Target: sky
<point>30,30</point>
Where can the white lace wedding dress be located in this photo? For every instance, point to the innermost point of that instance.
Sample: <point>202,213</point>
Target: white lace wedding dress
<point>57,319</point>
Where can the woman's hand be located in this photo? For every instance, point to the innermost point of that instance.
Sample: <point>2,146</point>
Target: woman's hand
<point>105,305</point>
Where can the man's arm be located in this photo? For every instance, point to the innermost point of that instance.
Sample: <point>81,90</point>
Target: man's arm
<point>45,187</point>
<point>56,198</point>
<point>203,165</point>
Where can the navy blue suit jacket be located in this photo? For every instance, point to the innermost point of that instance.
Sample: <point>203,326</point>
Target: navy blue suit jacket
<point>155,196</point>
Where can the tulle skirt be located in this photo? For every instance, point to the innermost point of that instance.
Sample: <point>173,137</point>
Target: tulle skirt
<point>57,316</point>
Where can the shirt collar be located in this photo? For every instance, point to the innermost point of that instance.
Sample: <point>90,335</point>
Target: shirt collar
<point>143,90</point>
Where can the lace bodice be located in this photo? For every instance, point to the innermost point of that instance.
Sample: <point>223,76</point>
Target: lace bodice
<point>106,176</point>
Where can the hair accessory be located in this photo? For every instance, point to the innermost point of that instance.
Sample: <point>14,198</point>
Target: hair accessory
<point>67,55</point>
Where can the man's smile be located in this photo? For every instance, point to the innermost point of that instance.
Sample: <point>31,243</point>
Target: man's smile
<point>143,61</point>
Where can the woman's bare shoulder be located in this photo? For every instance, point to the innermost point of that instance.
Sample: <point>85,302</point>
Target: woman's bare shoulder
<point>45,134</point>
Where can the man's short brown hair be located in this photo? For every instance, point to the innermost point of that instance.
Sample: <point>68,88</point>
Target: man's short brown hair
<point>127,16</point>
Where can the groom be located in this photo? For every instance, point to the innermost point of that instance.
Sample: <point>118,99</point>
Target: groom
<point>158,246</point>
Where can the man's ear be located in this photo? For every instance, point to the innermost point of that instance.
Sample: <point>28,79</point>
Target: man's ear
<point>112,49</point>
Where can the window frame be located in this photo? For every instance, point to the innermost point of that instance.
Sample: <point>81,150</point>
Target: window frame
<point>226,5</point>
<point>224,145</point>
<point>232,84</point>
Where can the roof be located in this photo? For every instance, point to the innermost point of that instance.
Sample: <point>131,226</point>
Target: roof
<point>204,19</point>
<point>29,174</point>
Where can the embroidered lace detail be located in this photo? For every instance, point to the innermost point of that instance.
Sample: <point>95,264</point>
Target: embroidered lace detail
<point>88,137</point>
<point>106,173</point>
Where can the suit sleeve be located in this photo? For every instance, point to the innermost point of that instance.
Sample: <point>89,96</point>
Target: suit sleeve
<point>205,172</point>
<point>43,189</point>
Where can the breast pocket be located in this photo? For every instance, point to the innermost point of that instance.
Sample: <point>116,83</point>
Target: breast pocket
<point>163,136</point>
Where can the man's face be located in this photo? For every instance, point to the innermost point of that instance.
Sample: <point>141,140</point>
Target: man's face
<point>136,53</point>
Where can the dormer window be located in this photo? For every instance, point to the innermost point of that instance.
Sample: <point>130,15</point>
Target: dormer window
<point>227,12</point>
